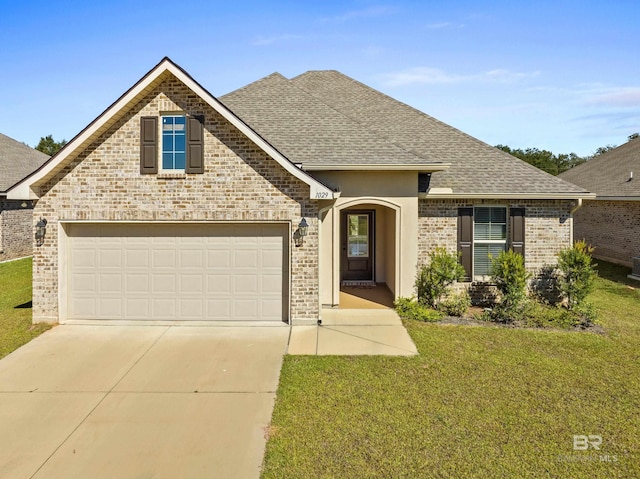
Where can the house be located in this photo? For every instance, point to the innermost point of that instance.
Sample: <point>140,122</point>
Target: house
<point>611,221</point>
<point>262,204</point>
<point>17,160</point>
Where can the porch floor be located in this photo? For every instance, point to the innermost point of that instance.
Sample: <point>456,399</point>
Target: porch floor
<point>378,297</point>
<point>365,324</point>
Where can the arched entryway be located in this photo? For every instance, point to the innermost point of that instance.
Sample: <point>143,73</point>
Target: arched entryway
<point>360,240</point>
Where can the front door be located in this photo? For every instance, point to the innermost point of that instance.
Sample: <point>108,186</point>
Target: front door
<point>357,245</point>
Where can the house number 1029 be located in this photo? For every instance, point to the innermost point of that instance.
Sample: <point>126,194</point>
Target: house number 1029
<point>322,194</point>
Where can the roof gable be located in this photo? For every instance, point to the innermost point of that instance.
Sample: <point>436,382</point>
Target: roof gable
<point>29,188</point>
<point>311,132</point>
<point>476,167</point>
<point>17,161</point>
<point>610,174</point>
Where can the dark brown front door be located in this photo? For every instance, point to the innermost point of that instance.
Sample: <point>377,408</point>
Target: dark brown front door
<point>357,245</point>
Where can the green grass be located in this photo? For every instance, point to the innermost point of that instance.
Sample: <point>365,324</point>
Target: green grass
<point>477,402</point>
<point>15,306</point>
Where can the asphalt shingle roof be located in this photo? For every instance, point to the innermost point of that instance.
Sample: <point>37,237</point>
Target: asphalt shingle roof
<point>17,160</point>
<point>609,173</point>
<point>307,130</point>
<point>326,118</point>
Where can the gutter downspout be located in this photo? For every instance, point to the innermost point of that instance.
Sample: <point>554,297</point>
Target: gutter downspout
<point>571,212</point>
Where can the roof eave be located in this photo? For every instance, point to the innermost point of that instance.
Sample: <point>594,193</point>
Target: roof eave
<point>28,188</point>
<point>515,196</point>
<point>425,167</point>
<point>616,198</point>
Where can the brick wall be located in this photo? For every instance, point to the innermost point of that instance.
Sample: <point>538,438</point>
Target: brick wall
<point>16,229</point>
<point>240,183</point>
<point>547,227</point>
<point>612,227</point>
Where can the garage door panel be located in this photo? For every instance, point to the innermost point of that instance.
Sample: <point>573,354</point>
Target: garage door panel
<point>192,258</point>
<point>110,308</point>
<point>191,284</point>
<point>220,283</point>
<point>177,272</point>
<point>164,258</point>
<point>191,309</point>
<point>137,283</point>
<point>85,258</point>
<point>136,258</point>
<point>245,309</point>
<point>84,282</point>
<point>270,283</point>
<point>163,283</point>
<point>111,283</point>
<point>247,284</point>
<point>245,259</point>
<point>219,309</point>
<point>136,308</point>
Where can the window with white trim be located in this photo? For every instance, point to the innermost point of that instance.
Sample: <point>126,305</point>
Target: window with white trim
<point>174,149</point>
<point>489,237</point>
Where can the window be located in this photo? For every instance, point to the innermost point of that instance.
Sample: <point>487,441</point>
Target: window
<point>357,236</point>
<point>489,237</point>
<point>174,154</point>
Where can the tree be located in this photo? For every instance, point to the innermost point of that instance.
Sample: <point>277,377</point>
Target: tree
<point>49,146</point>
<point>544,159</point>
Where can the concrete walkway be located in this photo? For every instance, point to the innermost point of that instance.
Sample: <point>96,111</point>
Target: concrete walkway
<point>139,402</point>
<point>353,332</point>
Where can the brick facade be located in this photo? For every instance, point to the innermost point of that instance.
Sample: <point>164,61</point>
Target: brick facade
<point>547,227</point>
<point>612,228</point>
<point>16,229</point>
<point>240,183</point>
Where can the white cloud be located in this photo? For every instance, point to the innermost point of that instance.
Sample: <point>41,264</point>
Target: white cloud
<point>625,97</point>
<point>427,75</point>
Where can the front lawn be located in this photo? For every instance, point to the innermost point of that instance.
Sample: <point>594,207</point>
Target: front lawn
<point>15,306</point>
<point>476,402</point>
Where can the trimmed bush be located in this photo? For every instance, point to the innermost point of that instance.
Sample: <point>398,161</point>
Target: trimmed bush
<point>456,304</point>
<point>510,277</point>
<point>409,308</point>
<point>577,273</point>
<point>433,280</point>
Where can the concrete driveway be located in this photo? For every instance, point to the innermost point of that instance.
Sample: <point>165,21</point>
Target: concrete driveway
<point>86,401</point>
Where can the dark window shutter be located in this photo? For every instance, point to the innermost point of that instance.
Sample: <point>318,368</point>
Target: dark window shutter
<point>516,229</point>
<point>148,145</point>
<point>465,240</point>
<point>195,145</point>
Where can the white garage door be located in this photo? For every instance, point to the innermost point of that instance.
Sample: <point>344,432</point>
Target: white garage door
<point>177,271</point>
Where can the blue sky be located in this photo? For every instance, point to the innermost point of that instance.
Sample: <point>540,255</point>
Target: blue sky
<point>559,75</point>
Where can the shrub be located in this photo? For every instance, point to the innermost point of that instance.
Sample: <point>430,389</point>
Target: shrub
<point>577,273</point>
<point>409,308</point>
<point>456,304</point>
<point>545,285</point>
<point>434,279</point>
<point>510,277</point>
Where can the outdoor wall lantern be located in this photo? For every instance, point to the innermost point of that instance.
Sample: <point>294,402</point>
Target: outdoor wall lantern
<point>301,232</point>
<point>41,230</point>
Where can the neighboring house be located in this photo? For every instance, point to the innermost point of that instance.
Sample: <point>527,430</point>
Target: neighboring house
<point>176,205</point>
<point>17,161</point>
<point>611,221</point>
